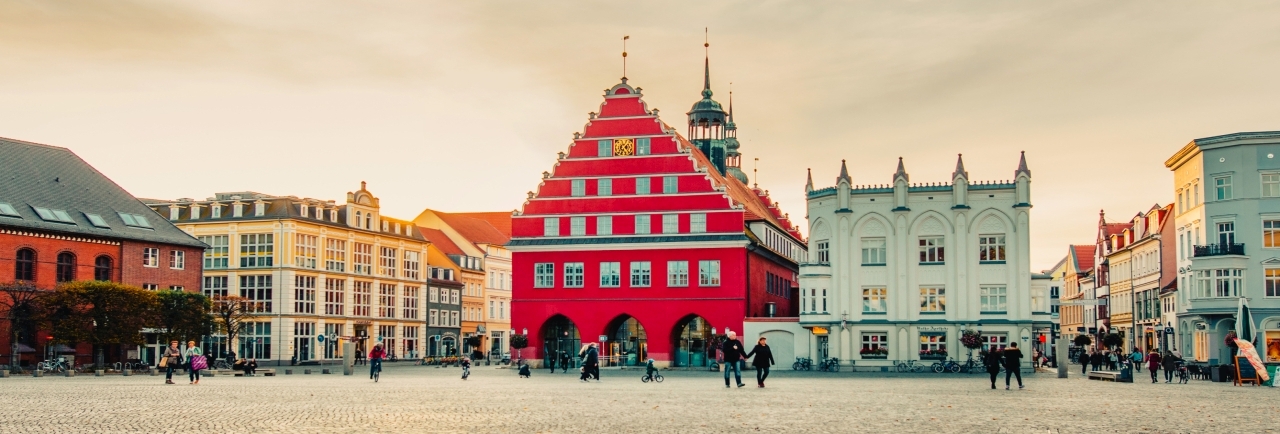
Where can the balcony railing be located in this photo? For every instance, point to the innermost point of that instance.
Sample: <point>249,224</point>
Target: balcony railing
<point>1221,249</point>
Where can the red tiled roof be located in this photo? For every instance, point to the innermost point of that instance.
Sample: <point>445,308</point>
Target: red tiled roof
<point>442,241</point>
<point>499,220</point>
<point>476,230</point>
<point>1083,257</point>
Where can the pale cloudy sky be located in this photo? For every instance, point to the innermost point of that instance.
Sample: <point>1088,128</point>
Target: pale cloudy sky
<point>461,105</point>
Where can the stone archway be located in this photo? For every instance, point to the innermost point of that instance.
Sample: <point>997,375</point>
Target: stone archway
<point>692,342</point>
<point>560,338</point>
<point>628,344</point>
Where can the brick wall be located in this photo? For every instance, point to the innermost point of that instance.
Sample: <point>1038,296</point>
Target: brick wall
<point>47,248</point>
<point>163,276</point>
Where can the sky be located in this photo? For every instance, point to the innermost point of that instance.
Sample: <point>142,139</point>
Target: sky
<point>460,106</point>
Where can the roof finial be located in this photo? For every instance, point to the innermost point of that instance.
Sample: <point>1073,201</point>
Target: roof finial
<point>1022,166</point>
<point>960,168</point>
<point>624,56</point>
<point>755,174</point>
<point>844,173</point>
<point>730,102</point>
<point>808,185</point>
<point>901,173</point>
<point>362,185</point>
<point>706,67</point>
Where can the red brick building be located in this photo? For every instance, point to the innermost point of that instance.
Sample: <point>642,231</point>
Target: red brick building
<point>61,220</point>
<point>648,240</point>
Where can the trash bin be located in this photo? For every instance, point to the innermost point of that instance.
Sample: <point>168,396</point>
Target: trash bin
<point>1126,374</point>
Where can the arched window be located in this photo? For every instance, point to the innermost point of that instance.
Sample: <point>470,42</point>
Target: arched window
<point>25,268</point>
<point>359,219</point>
<point>368,221</point>
<point>102,268</point>
<point>66,267</point>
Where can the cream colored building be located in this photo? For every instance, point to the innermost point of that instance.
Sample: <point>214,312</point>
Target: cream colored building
<point>317,269</point>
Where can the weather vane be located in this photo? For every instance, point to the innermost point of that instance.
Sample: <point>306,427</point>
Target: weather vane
<point>624,55</point>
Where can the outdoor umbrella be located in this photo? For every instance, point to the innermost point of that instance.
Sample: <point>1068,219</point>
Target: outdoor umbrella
<point>23,348</point>
<point>1244,322</point>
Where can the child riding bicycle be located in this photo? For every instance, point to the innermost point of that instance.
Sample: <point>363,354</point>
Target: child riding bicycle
<point>649,370</point>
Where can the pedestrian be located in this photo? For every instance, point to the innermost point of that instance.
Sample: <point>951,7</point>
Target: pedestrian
<point>171,360</point>
<point>1136,356</point>
<point>231,357</point>
<point>1084,363</point>
<point>1170,364</point>
<point>1012,364</point>
<point>1095,360</point>
<point>375,358</point>
<point>991,360</point>
<point>762,361</point>
<point>649,369</point>
<point>1112,360</point>
<point>1153,363</point>
<point>251,367</point>
<point>590,362</point>
<point>195,362</point>
<point>524,370</point>
<point>565,361</point>
<point>733,352</point>
<point>551,361</point>
<point>466,367</point>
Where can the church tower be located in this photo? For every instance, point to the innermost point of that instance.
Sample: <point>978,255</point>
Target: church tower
<point>708,124</point>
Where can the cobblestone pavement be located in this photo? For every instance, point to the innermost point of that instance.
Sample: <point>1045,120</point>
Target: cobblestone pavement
<point>428,399</point>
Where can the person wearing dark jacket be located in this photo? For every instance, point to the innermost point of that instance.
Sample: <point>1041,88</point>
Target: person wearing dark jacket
<point>1095,359</point>
<point>565,361</point>
<point>1012,365</point>
<point>1084,362</point>
<point>992,363</point>
<point>762,361</point>
<point>590,362</point>
<point>733,352</point>
<point>552,362</point>
<point>1170,363</point>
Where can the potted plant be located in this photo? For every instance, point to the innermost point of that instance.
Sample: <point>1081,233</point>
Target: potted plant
<point>1112,341</point>
<point>519,343</point>
<point>971,340</point>
<point>874,353</point>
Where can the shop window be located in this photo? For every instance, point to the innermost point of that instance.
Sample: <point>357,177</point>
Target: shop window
<point>875,345</point>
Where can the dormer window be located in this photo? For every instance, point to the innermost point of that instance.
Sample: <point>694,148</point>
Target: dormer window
<point>259,208</point>
<point>173,212</point>
<point>333,215</point>
<point>302,209</point>
<point>397,227</point>
<point>359,216</point>
<point>216,211</point>
<point>384,226</point>
<point>237,209</point>
<point>368,221</point>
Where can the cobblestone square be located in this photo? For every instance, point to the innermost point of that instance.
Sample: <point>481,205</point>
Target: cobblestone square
<point>428,399</point>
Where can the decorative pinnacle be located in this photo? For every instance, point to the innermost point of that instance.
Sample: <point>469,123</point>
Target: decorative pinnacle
<point>901,173</point>
<point>1022,166</point>
<point>844,173</point>
<point>960,168</point>
<point>808,185</point>
<point>706,67</point>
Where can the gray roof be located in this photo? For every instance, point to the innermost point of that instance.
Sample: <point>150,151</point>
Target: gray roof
<point>276,208</point>
<point>34,175</point>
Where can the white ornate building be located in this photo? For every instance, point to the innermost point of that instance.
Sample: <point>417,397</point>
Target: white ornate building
<point>896,272</point>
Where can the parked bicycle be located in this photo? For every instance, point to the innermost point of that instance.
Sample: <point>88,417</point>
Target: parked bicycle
<point>1182,373</point>
<point>53,365</point>
<point>830,365</point>
<point>221,365</point>
<point>911,366</point>
<point>802,364</point>
<point>949,365</point>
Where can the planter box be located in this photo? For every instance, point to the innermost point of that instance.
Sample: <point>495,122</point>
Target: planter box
<point>874,356</point>
<point>933,357</point>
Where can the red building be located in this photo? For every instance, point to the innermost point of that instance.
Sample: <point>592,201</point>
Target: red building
<point>649,241</point>
<point>61,220</point>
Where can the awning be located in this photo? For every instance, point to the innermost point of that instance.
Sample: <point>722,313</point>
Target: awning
<point>23,348</point>
<point>63,349</point>
<point>819,330</point>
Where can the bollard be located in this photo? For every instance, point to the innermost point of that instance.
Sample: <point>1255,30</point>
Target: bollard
<point>98,373</point>
<point>288,372</point>
<point>69,373</point>
<point>126,372</point>
<point>37,373</point>
<point>326,371</point>
<point>155,372</point>
<point>306,371</point>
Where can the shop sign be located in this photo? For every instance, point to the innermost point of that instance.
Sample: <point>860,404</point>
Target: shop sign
<point>932,328</point>
<point>820,330</point>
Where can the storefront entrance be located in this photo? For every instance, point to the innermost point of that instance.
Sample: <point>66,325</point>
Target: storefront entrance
<point>693,339</point>
<point>559,336</point>
<point>628,344</point>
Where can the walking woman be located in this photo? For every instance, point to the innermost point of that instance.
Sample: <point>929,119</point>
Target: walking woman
<point>172,359</point>
<point>1084,363</point>
<point>195,362</point>
<point>992,362</point>
<point>762,362</point>
<point>1153,363</point>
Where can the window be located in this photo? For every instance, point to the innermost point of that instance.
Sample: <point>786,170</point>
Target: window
<point>502,309</point>
<point>362,258</point>
<point>453,317</point>
<point>604,187</point>
<point>102,268</point>
<point>640,272</point>
<point>97,220</point>
<point>7,210</point>
<point>214,286</point>
<point>677,273</point>
<point>544,275</point>
<point>573,274</point>
<point>994,341</point>
<point>335,296</point>
<point>642,146</point>
<point>604,148</point>
<point>304,294</point>
<point>1226,233</point>
<point>610,274</point>
<point>66,267</point>
<point>216,256</point>
<point>335,255</point>
<point>432,317</point>
<point>577,226</point>
<point>453,297</point>
<point>1222,187</point>
<point>256,250</point>
<point>133,220</point>
<point>1271,185</point>
<point>642,185</point>
<point>875,344</point>
<point>991,248</point>
<point>256,342</point>
<point>257,290</point>
<point>150,286</point>
<point>388,335</point>
<point>410,302</point>
<point>1201,351</point>
<point>994,299</point>
<point>412,265</point>
<point>491,309</point>
<point>931,250</point>
<point>670,185</point>
<point>387,300</point>
<point>874,300</point>
<point>697,223</point>
<point>362,298</point>
<point>933,345</point>
<point>1272,278</point>
<point>151,257</point>
<point>604,225</point>
<point>873,251</point>
<point>642,224</point>
<point>933,300</point>
<point>305,250</point>
<point>177,259</point>
<point>708,273</point>
<point>1271,233</point>
<point>551,227</point>
<point>578,187</point>
<point>1226,282</point>
<point>670,223</point>
<point>387,262</point>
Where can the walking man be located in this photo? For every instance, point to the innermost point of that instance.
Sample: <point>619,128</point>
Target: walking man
<point>1136,356</point>
<point>733,352</point>
<point>591,362</point>
<point>1012,364</point>
<point>552,362</point>
<point>1084,363</point>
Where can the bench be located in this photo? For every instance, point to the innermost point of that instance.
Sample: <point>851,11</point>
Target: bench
<point>262,372</point>
<point>1105,375</point>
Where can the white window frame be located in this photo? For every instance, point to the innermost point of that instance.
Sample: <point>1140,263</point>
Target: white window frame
<point>610,274</point>
<point>604,225</point>
<point>551,226</point>
<point>362,259</point>
<point>670,184</point>
<point>544,275</point>
<point>709,273</point>
<point>604,187</point>
<point>994,298</point>
<point>151,257</point>
<point>1270,184</point>
<point>875,299</point>
<point>933,299</point>
<point>932,249</point>
<point>643,224</point>
<point>1271,233</point>
<point>677,273</point>
<point>641,274</point>
<point>642,186</point>
<point>874,251</point>
<point>1222,189</point>
<point>697,223</point>
<point>577,188</point>
<point>671,223</point>
<point>577,226</point>
<point>177,260</point>
<point>305,250</point>
<point>218,255</point>
<point>257,250</point>
<point>991,248</point>
<point>643,146</point>
<point>335,255</point>
<point>574,274</point>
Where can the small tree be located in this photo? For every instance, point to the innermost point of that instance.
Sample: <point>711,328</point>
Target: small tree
<point>1112,341</point>
<point>1083,341</point>
<point>184,315</point>
<point>21,304</point>
<point>101,313</point>
<point>519,343</point>
<point>231,312</point>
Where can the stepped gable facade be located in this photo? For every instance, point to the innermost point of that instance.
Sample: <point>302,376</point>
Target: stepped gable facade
<point>638,240</point>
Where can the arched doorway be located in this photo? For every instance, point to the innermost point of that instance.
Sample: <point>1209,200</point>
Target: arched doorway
<point>628,345</point>
<point>449,346</point>
<point>559,338</point>
<point>693,338</point>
